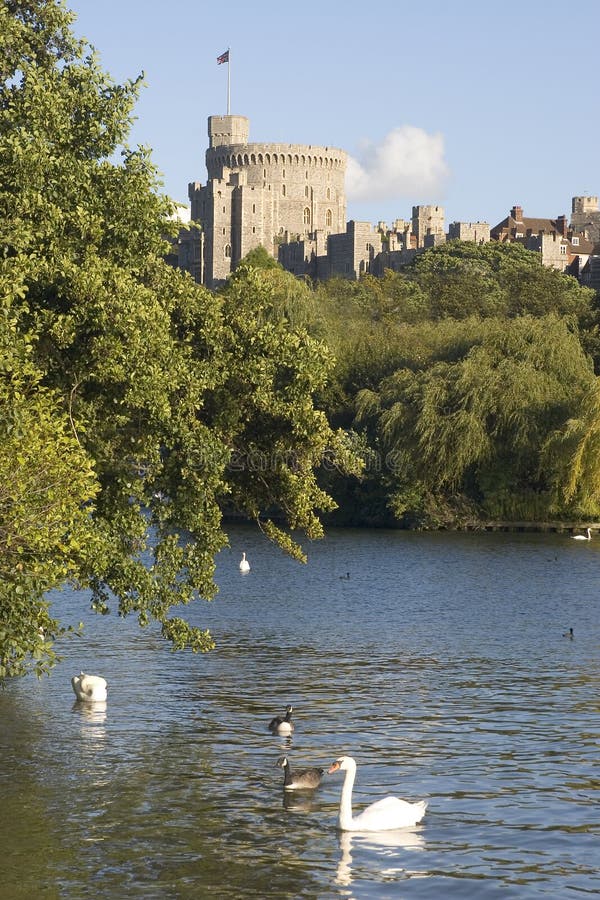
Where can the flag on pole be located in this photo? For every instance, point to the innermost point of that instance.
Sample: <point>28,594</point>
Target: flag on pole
<point>223,58</point>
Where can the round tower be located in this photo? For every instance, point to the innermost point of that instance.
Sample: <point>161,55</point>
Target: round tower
<point>264,194</point>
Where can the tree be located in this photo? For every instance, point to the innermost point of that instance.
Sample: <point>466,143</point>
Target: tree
<point>463,279</point>
<point>144,387</point>
<point>475,425</point>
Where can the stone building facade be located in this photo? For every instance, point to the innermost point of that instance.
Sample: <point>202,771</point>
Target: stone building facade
<point>585,218</point>
<point>262,195</point>
<point>553,239</point>
<point>290,199</point>
<point>478,232</point>
<point>428,225</point>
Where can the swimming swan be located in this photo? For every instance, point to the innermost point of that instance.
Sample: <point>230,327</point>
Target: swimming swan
<point>282,724</point>
<point>305,779</point>
<point>583,537</point>
<point>89,687</point>
<point>383,815</point>
<point>244,564</point>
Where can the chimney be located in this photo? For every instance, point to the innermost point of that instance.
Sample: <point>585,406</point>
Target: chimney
<point>517,213</point>
<point>562,226</point>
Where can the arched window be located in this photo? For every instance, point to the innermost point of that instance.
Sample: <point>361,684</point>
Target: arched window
<point>328,218</point>
<point>306,215</point>
<point>228,250</point>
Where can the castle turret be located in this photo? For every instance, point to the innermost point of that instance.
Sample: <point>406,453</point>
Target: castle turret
<point>225,131</point>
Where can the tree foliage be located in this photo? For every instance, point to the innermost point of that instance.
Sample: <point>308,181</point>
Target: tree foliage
<point>129,395</point>
<point>461,373</point>
<point>475,423</point>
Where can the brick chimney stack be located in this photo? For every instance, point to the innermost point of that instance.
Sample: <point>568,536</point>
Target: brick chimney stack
<point>562,226</point>
<point>517,213</point>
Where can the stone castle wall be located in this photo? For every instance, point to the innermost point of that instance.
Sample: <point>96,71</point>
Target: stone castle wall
<point>257,193</point>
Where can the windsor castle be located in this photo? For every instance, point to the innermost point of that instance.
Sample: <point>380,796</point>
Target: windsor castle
<point>290,199</point>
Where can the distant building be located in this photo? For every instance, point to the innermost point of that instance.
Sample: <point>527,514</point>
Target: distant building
<point>290,199</point>
<point>478,232</point>
<point>551,238</point>
<point>585,218</point>
<point>428,226</point>
<point>262,194</point>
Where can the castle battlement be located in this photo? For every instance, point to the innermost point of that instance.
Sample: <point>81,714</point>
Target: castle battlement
<point>257,193</point>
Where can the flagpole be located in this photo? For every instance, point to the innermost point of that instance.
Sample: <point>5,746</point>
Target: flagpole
<point>228,81</point>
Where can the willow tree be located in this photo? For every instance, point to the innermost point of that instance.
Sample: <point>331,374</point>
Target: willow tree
<point>475,427</point>
<point>572,458</point>
<point>130,393</point>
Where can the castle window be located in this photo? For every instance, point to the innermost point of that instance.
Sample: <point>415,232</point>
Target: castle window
<point>283,171</point>
<point>328,218</point>
<point>254,229</point>
<point>306,191</point>
<point>254,207</point>
<point>283,189</point>
<point>329,193</point>
<point>228,251</point>
<point>224,209</point>
<point>307,216</point>
<point>264,173</point>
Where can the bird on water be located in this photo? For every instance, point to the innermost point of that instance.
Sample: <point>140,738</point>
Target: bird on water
<point>282,724</point>
<point>302,780</point>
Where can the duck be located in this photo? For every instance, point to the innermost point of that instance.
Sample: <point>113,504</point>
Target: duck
<point>583,537</point>
<point>569,634</point>
<point>90,688</point>
<point>383,815</point>
<point>283,724</point>
<point>304,780</point>
<point>244,564</point>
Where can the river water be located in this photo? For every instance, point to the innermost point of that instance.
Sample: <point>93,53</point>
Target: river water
<point>437,660</point>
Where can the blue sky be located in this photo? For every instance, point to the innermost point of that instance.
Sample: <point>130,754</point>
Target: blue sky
<point>472,105</point>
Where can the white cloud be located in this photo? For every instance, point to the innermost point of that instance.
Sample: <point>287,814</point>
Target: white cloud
<point>406,163</point>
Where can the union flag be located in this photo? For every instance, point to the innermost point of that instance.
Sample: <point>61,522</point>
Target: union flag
<point>223,58</point>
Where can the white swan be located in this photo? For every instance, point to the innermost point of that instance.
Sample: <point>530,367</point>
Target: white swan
<point>383,815</point>
<point>583,537</point>
<point>89,687</point>
<point>244,564</point>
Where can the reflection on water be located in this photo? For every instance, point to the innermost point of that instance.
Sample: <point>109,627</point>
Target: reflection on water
<point>386,846</point>
<point>439,664</point>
